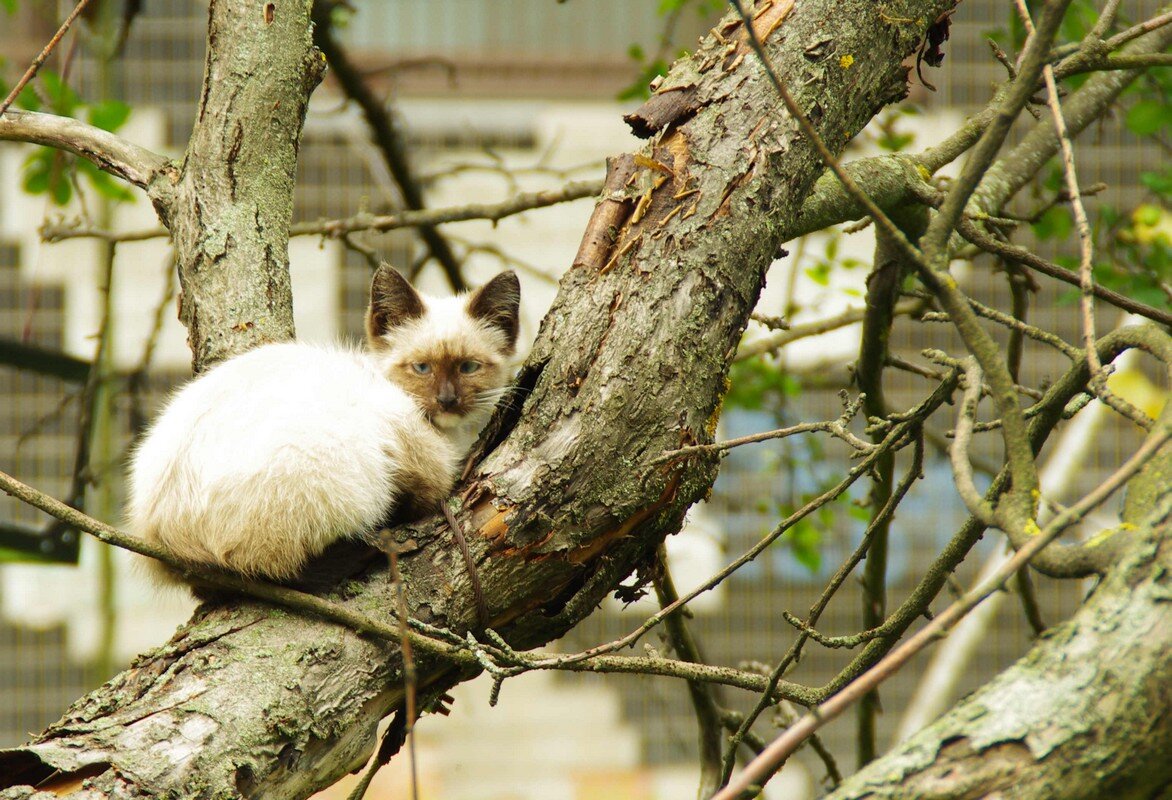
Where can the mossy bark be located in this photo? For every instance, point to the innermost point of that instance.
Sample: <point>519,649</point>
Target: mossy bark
<point>230,211</point>
<point>568,497</point>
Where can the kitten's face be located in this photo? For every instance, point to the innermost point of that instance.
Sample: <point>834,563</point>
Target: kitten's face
<point>449,353</point>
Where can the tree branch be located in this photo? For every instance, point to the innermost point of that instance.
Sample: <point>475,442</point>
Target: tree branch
<point>111,153</point>
<point>386,136</point>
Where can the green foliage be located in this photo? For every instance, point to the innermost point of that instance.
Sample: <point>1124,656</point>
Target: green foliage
<point>1135,247</point>
<point>889,137</point>
<point>1056,223</point>
<point>829,261</point>
<point>758,385</point>
<point>10,555</point>
<point>9,6</point>
<point>648,68</point>
<point>1148,117</point>
<point>109,115</point>
<point>804,540</point>
<point>54,173</point>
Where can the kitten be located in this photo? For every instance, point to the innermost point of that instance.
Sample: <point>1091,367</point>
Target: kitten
<point>261,463</point>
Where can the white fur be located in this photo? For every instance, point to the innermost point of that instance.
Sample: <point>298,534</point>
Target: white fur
<point>265,460</point>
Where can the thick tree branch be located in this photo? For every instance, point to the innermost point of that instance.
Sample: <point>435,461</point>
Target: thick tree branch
<point>107,151</point>
<point>1042,728</point>
<point>784,745</point>
<point>234,199</point>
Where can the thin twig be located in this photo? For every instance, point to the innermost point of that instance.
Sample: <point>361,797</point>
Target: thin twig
<point>387,138</point>
<point>881,219</point>
<point>703,695</point>
<point>881,518</point>
<point>785,744</point>
<point>410,677</point>
<point>1024,257</point>
<point>337,228</point>
<point>1136,31</point>
<point>436,641</point>
<point>1085,239</point>
<point>34,67</point>
<point>836,428</point>
<point>804,330</point>
<point>935,241</point>
<point>469,565</point>
<point>962,470</point>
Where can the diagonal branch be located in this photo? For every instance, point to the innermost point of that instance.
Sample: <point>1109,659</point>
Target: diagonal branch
<point>119,157</point>
<point>386,136</point>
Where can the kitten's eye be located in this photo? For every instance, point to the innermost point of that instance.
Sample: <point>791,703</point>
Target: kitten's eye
<point>421,367</point>
<point>468,367</point>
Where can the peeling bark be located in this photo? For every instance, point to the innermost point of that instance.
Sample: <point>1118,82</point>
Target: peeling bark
<point>566,499</point>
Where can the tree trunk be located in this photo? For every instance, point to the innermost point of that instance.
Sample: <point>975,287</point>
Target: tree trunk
<point>229,215</point>
<point>569,497</point>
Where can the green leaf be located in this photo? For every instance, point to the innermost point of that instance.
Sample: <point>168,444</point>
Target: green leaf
<point>47,172</point>
<point>1148,117</point>
<point>104,183</point>
<point>1159,183</point>
<point>62,99</point>
<point>61,189</point>
<point>805,540</point>
<point>109,115</point>
<point>36,173</point>
<point>9,6</point>
<point>819,273</point>
<point>9,555</point>
<point>894,142</point>
<point>1056,223</point>
<point>27,99</point>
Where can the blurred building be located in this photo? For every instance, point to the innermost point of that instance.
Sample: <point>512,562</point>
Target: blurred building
<point>496,97</point>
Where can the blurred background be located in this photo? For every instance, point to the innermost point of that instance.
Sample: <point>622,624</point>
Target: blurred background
<point>493,98</point>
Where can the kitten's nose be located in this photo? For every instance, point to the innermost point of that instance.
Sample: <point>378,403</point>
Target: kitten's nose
<point>447,398</point>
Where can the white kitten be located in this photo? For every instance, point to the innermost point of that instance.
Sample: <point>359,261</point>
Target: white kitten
<point>268,458</point>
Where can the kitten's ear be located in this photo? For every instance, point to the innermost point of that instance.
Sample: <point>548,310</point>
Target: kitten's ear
<point>498,303</point>
<point>393,301</point>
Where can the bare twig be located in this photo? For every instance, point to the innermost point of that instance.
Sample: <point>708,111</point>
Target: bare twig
<point>31,72</point>
<point>436,641</point>
<point>1024,257</point>
<point>338,228</point>
<point>410,677</point>
<point>780,749</point>
<point>935,240</point>
<point>962,470</point>
<point>1135,31</point>
<point>386,137</point>
<point>704,701</point>
<point>804,330</point>
<point>837,428</point>
<point>882,517</point>
<point>1069,172</point>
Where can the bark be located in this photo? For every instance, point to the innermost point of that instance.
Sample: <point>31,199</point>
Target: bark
<point>230,212</point>
<point>1084,714</point>
<point>631,361</point>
